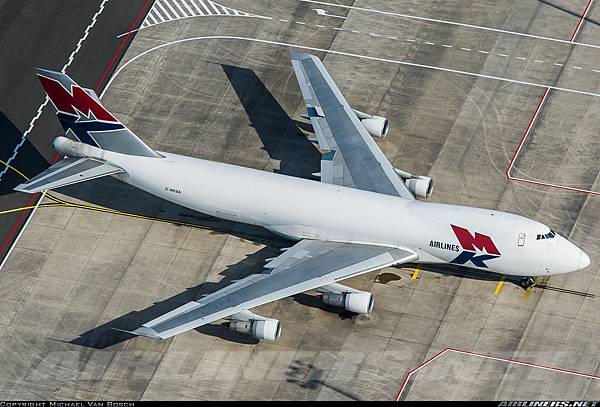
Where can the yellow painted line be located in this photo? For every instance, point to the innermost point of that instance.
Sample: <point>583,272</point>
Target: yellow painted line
<point>527,292</point>
<point>14,169</point>
<point>416,273</point>
<point>500,285</point>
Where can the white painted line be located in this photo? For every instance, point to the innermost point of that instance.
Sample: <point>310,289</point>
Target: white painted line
<point>595,70</point>
<point>45,102</point>
<point>164,11</point>
<point>205,7</point>
<point>577,67</point>
<point>521,58</point>
<point>446,46</point>
<point>539,61</point>
<point>374,35</point>
<point>322,12</point>
<point>392,37</point>
<point>284,20</point>
<point>175,13</point>
<point>410,40</point>
<point>320,26</point>
<point>502,55</point>
<point>300,22</point>
<point>337,28</point>
<point>429,42</point>
<point>349,54</point>
<point>483,52</point>
<point>435,20</point>
<point>192,12</point>
<point>557,64</point>
<point>199,12</point>
<point>356,32</point>
<point>183,12</point>
<point>465,49</point>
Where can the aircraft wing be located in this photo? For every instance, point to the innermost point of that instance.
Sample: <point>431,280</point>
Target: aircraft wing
<point>352,157</point>
<point>66,172</point>
<point>307,265</point>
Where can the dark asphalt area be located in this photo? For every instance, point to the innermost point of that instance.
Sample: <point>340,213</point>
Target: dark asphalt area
<point>36,33</point>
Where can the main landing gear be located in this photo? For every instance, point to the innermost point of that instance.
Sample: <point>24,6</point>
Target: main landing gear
<point>526,282</point>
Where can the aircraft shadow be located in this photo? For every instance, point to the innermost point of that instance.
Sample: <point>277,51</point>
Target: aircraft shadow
<point>278,132</point>
<point>29,161</point>
<point>105,335</point>
<point>463,272</point>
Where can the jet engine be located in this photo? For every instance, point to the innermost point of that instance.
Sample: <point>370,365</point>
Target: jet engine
<point>263,329</point>
<point>376,126</point>
<point>418,185</point>
<point>359,302</point>
<point>266,329</point>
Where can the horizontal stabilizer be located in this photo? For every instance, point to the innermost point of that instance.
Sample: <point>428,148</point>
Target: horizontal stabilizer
<point>66,172</point>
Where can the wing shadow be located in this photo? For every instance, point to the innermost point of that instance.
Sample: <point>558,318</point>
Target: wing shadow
<point>105,335</point>
<point>278,132</point>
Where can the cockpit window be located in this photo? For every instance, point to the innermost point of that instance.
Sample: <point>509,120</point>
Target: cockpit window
<point>549,235</point>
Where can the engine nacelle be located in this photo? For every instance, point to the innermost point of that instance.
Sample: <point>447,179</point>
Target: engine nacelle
<point>376,126</point>
<point>359,302</point>
<point>264,329</point>
<point>420,186</point>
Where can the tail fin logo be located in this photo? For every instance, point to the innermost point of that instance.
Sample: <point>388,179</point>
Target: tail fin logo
<point>76,102</point>
<point>473,243</point>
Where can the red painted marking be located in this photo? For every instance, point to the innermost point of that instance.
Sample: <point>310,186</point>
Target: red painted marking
<point>533,118</point>
<point>417,368</point>
<point>114,58</point>
<point>57,157</point>
<point>483,355</point>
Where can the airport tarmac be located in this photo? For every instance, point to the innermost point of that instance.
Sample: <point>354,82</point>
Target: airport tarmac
<point>77,37</point>
<point>459,95</point>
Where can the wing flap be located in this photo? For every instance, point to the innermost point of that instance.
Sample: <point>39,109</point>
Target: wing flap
<point>307,265</point>
<point>67,172</point>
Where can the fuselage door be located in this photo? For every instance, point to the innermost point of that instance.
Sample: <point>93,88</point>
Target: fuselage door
<point>521,241</point>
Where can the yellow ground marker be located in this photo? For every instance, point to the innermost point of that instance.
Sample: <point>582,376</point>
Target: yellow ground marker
<point>527,292</point>
<point>500,285</point>
<point>416,273</point>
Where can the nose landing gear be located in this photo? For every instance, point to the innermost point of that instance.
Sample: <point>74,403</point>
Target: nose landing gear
<point>526,282</point>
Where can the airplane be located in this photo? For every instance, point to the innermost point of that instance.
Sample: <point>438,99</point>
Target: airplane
<point>361,215</point>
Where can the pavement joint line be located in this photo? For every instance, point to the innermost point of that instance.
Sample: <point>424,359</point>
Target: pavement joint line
<point>46,99</point>
<point>479,27</point>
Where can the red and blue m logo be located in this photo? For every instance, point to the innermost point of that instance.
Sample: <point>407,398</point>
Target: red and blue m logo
<point>473,243</point>
<point>78,111</point>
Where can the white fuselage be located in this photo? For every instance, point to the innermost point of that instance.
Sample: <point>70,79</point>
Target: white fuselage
<point>298,208</point>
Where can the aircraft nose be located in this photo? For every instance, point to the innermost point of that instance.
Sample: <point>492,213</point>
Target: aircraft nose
<point>584,260</point>
<point>567,257</point>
